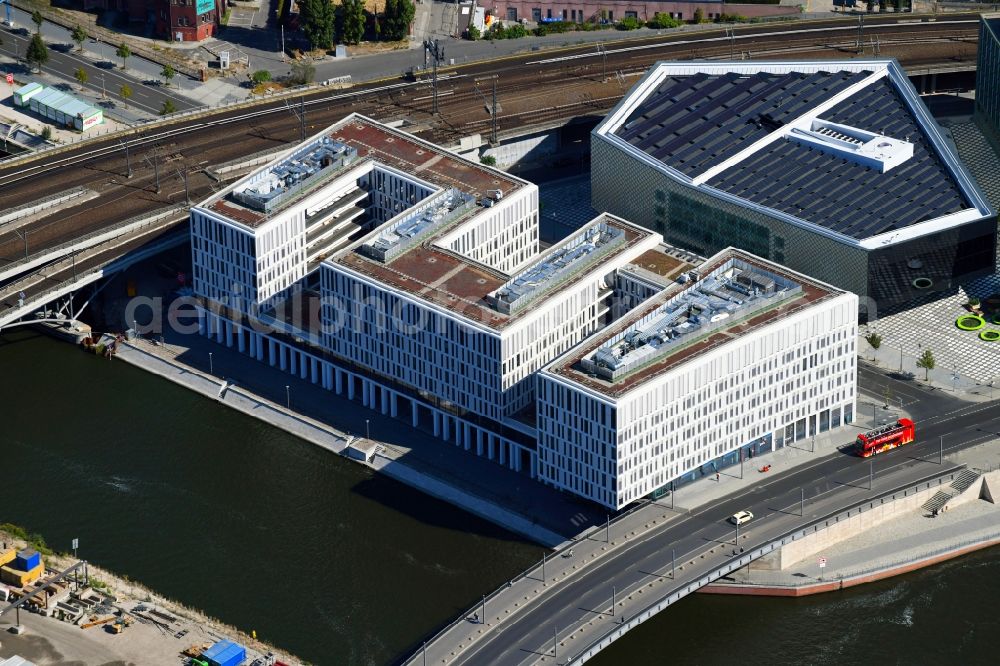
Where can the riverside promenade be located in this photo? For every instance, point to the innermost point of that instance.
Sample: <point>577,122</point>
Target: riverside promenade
<point>911,541</point>
<point>164,360</point>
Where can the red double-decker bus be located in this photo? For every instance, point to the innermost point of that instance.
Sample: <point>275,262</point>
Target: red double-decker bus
<point>885,438</point>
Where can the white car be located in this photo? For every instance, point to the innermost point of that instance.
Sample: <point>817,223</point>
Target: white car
<point>741,517</point>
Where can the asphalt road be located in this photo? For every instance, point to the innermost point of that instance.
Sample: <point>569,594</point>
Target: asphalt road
<point>64,60</point>
<point>830,483</point>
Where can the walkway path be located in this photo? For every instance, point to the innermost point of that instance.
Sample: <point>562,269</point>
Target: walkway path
<point>416,458</point>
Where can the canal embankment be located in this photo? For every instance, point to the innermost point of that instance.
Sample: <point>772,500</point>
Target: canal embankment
<point>911,533</point>
<point>164,360</point>
<point>94,616</point>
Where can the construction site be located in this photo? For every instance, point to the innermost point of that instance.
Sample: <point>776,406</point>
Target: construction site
<point>62,609</point>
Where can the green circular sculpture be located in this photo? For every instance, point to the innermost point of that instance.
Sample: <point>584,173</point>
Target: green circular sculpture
<point>970,322</point>
<point>989,336</point>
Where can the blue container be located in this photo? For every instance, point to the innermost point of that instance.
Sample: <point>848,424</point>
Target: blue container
<point>27,559</point>
<point>225,653</point>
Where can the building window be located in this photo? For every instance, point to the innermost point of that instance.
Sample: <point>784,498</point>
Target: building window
<point>634,15</point>
<point>548,13</point>
<point>512,13</point>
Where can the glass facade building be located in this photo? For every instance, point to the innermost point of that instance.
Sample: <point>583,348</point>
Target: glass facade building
<point>908,256</point>
<point>988,79</point>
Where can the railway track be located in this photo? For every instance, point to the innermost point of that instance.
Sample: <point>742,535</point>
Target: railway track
<point>581,80</point>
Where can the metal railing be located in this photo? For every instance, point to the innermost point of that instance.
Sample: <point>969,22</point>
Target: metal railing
<point>111,231</point>
<point>527,573</point>
<point>822,523</point>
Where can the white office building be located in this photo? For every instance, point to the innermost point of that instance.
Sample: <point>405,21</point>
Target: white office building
<point>743,357</point>
<point>383,267</point>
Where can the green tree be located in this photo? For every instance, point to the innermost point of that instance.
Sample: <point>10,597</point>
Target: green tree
<point>488,160</point>
<point>37,19</point>
<point>699,15</point>
<point>79,36</point>
<point>302,73</point>
<point>926,361</point>
<point>168,107</point>
<point>81,75</point>
<point>397,19</point>
<point>167,73</point>
<point>662,21</point>
<point>317,18</point>
<point>260,76</point>
<point>875,340</point>
<point>351,21</point>
<point>37,53</point>
<point>125,91</point>
<point>46,132</point>
<point>123,52</point>
<point>473,33</point>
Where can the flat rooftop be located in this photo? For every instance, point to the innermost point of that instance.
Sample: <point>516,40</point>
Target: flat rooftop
<point>735,291</point>
<point>366,139</point>
<point>847,146</point>
<point>466,287</point>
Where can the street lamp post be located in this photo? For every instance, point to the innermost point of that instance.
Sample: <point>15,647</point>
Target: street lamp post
<point>368,432</point>
<point>211,364</point>
<point>871,473</point>
<point>288,396</point>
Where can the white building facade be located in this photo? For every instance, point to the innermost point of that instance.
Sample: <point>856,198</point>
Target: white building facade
<point>757,388</point>
<point>390,271</point>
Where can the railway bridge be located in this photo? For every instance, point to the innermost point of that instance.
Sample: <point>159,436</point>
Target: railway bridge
<point>76,212</point>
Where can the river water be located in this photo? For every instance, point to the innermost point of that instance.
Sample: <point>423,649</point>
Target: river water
<point>340,566</point>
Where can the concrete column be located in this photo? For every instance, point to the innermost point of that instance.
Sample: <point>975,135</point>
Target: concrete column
<point>503,452</point>
<point>241,342</point>
<point>534,466</point>
<point>437,424</point>
<point>260,346</point>
<point>446,427</point>
<point>490,447</point>
<point>338,381</point>
<point>350,386</point>
<point>314,369</point>
<point>272,352</point>
<point>218,330</point>
<point>479,441</point>
<point>304,362</point>
<point>251,343</point>
<point>515,458</point>
<point>364,392</point>
<point>458,433</point>
<point>385,400</point>
<point>293,361</point>
<point>414,414</point>
<point>393,404</point>
<point>283,353</point>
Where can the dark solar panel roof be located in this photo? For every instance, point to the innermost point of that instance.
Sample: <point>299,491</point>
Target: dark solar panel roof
<point>844,196</point>
<point>694,122</point>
